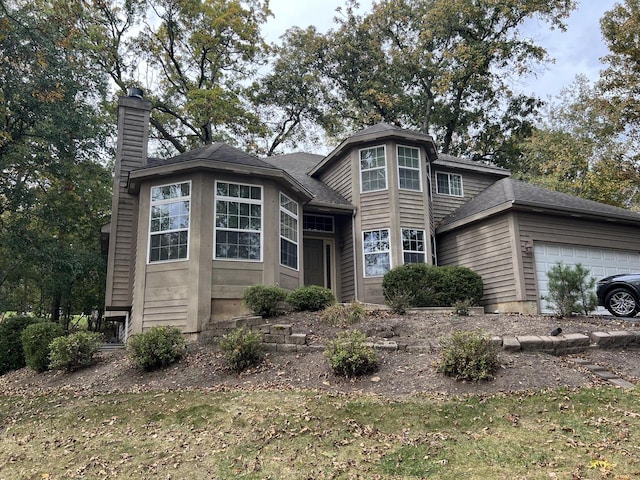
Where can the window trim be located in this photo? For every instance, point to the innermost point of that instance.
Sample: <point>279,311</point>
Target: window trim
<point>249,201</point>
<point>295,216</point>
<point>424,245</point>
<point>449,176</point>
<point>153,203</point>
<point>400,167</point>
<point>364,253</point>
<point>386,173</point>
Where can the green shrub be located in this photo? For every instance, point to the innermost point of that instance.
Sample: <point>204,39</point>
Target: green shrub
<point>157,347</point>
<point>75,351</point>
<point>468,356</point>
<point>263,300</point>
<point>343,314</point>
<point>36,341</point>
<point>461,308</point>
<point>349,356</point>
<point>420,285</point>
<point>570,290</point>
<point>242,349</point>
<point>11,353</point>
<point>311,298</point>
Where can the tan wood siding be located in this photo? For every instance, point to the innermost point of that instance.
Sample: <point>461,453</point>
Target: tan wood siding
<point>231,278</point>
<point>374,210</point>
<point>166,296</point>
<point>346,260</point>
<point>412,210</point>
<point>485,249</point>
<point>573,231</point>
<point>339,178</point>
<point>289,279</point>
<point>472,184</point>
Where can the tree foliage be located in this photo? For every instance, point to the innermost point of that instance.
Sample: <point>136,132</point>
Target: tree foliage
<point>54,195</point>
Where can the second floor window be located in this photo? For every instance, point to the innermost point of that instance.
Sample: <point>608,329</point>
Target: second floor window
<point>238,221</point>
<point>169,222</point>
<point>373,169</point>
<point>409,168</point>
<point>449,184</point>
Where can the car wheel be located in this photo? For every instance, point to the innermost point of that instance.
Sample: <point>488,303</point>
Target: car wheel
<point>621,303</point>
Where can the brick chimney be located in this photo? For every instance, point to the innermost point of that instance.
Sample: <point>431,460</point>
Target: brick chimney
<point>133,135</point>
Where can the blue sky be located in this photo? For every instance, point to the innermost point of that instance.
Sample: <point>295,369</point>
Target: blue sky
<point>576,51</point>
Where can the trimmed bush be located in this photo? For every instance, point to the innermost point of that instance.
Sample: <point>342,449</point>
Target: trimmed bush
<point>468,356</point>
<point>263,300</point>
<point>311,298</point>
<point>343,314</point>
<point>420,285</point>
<point>36,341</point>
<point>157,347</point>
<point>349,356</point>
<point>75,351</point>
<point>11,352</point>
<point>242,349</point>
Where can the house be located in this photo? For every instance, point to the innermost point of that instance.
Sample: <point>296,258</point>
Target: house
<point>189,234</point>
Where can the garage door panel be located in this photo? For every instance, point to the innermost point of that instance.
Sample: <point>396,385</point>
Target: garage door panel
<point>601,262</point>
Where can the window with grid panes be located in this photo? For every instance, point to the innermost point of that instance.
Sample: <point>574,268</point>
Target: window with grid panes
<point>238,221</point>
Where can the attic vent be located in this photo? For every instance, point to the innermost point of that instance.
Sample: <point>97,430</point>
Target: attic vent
<point>135,92</point>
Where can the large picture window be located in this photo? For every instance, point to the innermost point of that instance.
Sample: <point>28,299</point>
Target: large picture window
<point>449,184</point>
<point>413,246</point>
<point>409,168</point>
<point>373,169</point>
<point>238,221</point>
<point>169,222</point>
<point>288,232</point>
<point>377,253</point>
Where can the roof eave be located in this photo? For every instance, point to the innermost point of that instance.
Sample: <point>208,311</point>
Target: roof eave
<point>136,176</point>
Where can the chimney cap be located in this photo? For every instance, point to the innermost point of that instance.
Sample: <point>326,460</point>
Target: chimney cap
<point>135,92</point>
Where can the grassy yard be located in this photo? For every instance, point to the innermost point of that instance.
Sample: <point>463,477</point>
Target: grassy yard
<point>585,434</point>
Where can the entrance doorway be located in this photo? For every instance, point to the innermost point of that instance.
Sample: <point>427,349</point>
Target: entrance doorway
<point>318,262</point>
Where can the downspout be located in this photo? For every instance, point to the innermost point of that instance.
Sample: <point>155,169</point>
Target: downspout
<point>355,258</point>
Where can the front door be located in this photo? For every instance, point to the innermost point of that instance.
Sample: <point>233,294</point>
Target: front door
<point>318,261</point>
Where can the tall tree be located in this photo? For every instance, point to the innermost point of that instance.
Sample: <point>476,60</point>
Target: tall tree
<point>54,194</point>
<point>441,66</point>
<point>195,59</point>
<point>577,150</point>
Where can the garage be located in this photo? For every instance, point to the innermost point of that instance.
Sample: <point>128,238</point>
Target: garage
<point>601,262</point>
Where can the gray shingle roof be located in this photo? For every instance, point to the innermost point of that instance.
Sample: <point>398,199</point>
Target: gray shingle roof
<point>509,193</point>
<point>446,160</point>
<point>219,152</point>
<point>298,165</point>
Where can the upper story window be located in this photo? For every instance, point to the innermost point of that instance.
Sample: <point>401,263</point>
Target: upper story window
<point>377,252</point>
<point>449,184</point>
<point>373,169</point>
<point>169,222</point>
<point>288,232</point>
<point>413,246</point>
<point>409,168</point>
<point>238,221</point>
<point>317,223</point>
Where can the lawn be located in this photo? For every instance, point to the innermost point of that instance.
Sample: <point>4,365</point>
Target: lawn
<point>581,434</point>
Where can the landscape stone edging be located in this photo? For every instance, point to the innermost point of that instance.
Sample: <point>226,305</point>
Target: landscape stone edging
<point>279,337</point>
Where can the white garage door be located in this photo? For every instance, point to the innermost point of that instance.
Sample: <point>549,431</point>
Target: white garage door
<point>601,262</point>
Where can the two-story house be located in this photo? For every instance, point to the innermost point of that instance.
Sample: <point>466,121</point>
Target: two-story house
<point>189,234</point>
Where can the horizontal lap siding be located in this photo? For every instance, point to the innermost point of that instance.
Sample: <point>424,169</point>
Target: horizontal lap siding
<point>347,262</point>
<point>413,212</point>
<point>472,184</point>
<point>166,295</point>
<point>485,249</point>
<point>375,210</point>
<point>572,231</point>
<point>339,178</point>
<point>230,279</point>
<point>289,279</point>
